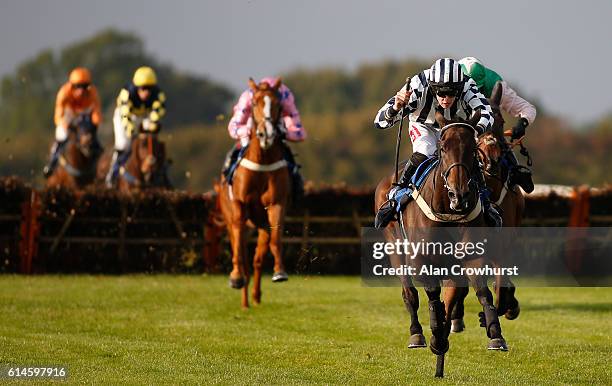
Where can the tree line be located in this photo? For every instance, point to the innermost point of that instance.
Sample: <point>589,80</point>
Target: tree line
<point>337,106</point>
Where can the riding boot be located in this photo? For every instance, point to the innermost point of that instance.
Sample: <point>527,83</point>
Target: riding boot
<point>297,182</point>
<point>386,213</point>
<point>53,159</point>
<point>230,159</point>
<point>519,175</point>
<point>113,171</point>
<point>492,216</point>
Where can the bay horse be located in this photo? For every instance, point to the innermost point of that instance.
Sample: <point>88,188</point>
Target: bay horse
<point>454,202</point>
<point>76,167</point>
<point>258,194</point>
<point>509,199</point>
<point>146,165</point>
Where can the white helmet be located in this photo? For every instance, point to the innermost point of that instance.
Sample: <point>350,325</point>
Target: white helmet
<point>446,74</point>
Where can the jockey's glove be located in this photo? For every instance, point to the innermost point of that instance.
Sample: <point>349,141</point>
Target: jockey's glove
<point>518,130</point>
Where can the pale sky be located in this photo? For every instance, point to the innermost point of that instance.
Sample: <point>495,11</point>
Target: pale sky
<point>557,53</point>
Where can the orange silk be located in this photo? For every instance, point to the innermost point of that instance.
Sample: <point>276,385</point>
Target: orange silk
<point>65,100</point>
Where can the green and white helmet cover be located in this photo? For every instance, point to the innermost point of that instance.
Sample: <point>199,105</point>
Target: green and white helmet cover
<point>485,78</point>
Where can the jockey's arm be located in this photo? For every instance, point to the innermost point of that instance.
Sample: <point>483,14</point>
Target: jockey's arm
<point>158,110</point>
<point>241,122</point>
<point>516,106</point>
<point>388,116</point>
<point>478,102</point>
<point>96,113</point>
<point>60,104</point>
<point>295,132</point>
<point>125,108</point>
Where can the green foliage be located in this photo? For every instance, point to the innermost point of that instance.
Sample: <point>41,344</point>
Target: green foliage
<point>28,96</point>
<point>177,329</point>
<point>332,90</point>
<point>337,107</point>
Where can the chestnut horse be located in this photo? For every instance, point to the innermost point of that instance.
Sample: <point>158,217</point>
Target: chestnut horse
<point>258,194</point>
<point>453,201</point>
<point>76,166</point>
<point>146,165</point>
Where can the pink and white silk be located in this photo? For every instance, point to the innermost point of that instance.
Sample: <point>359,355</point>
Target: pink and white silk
<point>241,123</point>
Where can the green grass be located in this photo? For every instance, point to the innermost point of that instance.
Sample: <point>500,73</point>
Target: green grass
<point>190,329</point>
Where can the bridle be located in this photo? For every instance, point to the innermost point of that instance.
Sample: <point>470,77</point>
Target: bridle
<point>445,173</point>
<point>491,140</point>
<point>270,124</point>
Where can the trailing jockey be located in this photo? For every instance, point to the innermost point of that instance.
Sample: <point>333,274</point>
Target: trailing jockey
<point>140,106</point>
<point>241,124</point>
<point>76,97</point>
<point>512,104</point>
<point>445,89</point>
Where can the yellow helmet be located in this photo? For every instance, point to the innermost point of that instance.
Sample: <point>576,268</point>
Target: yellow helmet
<point>144,76</point>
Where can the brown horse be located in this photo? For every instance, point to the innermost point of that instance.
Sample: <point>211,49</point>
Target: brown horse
<point>77,162</point>
<point>258,194</point>
<point>509,199</point>
<point>453,201</point>
<point>146,165</point>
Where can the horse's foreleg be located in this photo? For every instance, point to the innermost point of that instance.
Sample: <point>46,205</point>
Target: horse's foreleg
<point>238,235</point>
<point>410,295</point>
<point>507,303</point>
<point>245,270</point>
<point>458,293</point>
<point>263,241</point>
<point>488,317</point>
<point>437,318</point>
<point>276,214</point>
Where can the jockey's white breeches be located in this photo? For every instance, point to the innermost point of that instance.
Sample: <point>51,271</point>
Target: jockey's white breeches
<point>424,138</point>
<point>122,138</point>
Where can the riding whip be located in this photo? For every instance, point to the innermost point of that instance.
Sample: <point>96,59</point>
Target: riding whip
<point>399,136</point>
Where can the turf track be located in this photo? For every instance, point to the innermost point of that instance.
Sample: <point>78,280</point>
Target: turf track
<point>190,329</point>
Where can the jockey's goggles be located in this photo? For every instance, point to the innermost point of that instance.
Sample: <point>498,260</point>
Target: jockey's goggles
<point>145,88</point>
<point>443,92</point>
<point>82,86</point>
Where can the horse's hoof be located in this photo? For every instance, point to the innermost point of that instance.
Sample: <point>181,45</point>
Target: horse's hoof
<point>417,341</point>
<point>236,283</point>
<point>513,313</point>
<point>457,325</point>
<point>497,344</point>
<point>438,346</point>
<point>280,277</point>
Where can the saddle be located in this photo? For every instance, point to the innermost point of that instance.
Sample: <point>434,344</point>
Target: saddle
<point>229,175</point>
<point>417,179</point>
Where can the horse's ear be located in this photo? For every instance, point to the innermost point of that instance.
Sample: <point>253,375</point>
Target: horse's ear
<point>473,121</point>
<point>252,85</point>
<point>496,94</point>
<point>277,84</point>
<point>440,119</point>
